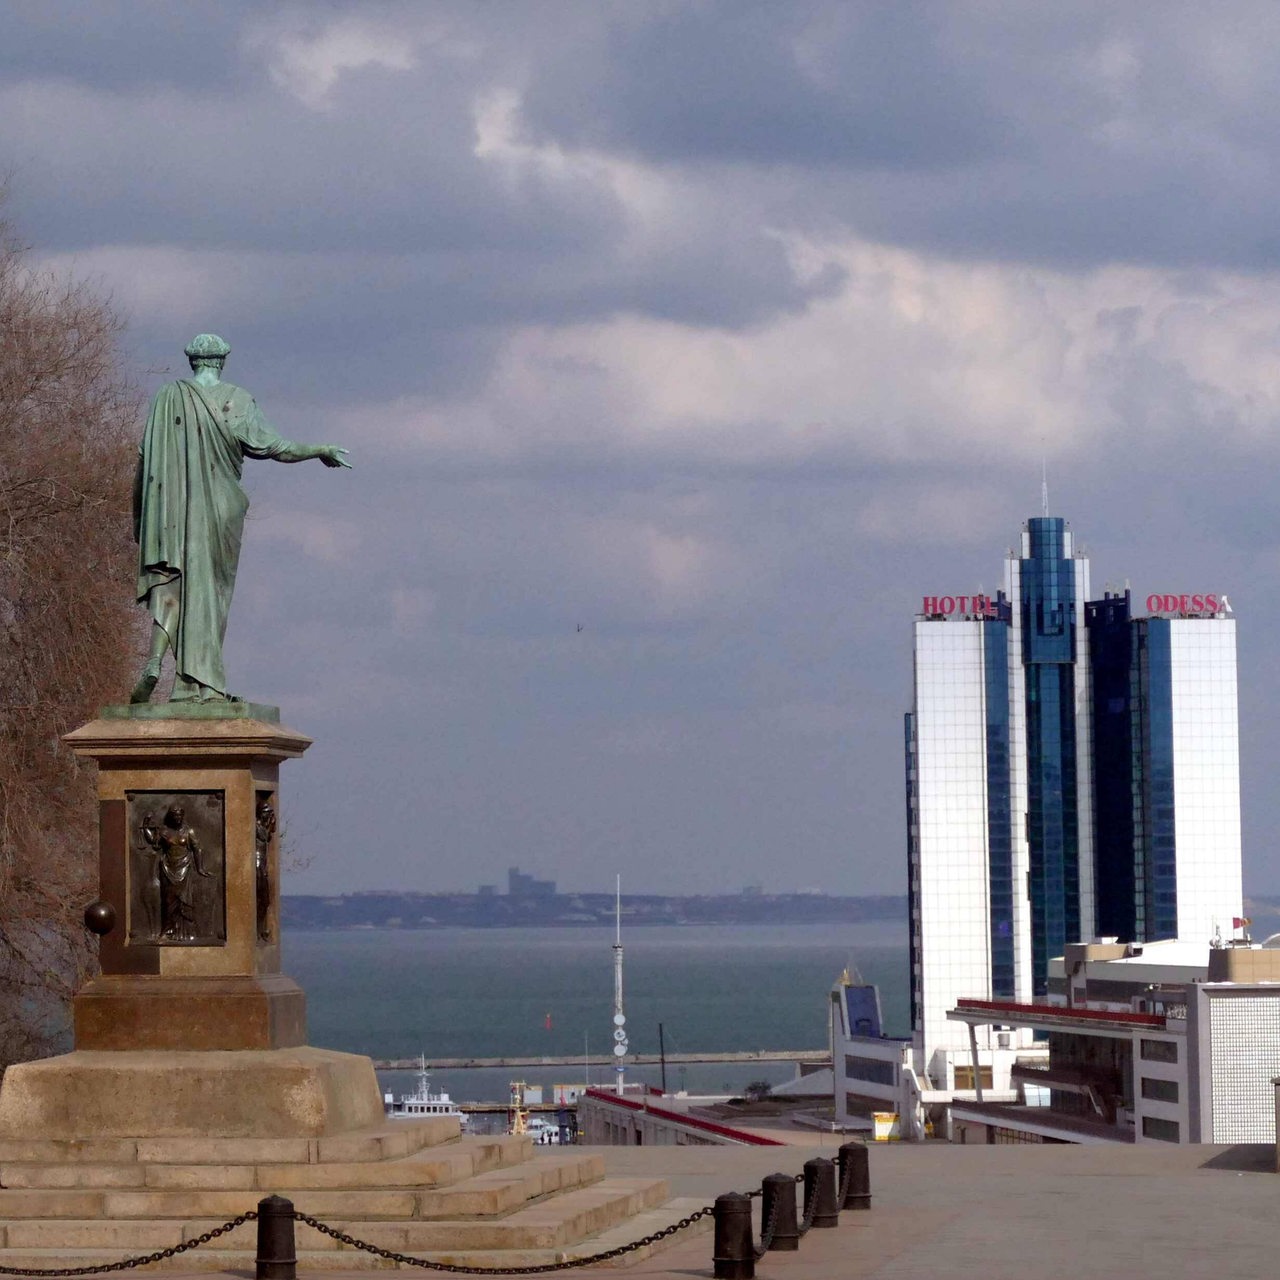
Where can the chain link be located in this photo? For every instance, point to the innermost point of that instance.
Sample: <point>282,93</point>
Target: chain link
<point>810,1207</point>
<point>846,1180</point>
<point>455,1268</point>
<point>128,1264</point>
<point>766,1232</point>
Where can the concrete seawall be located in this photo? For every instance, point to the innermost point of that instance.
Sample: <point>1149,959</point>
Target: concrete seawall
<point>634,1059</point>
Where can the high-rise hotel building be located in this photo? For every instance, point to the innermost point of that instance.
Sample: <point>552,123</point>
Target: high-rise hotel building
<point>1071,771</point>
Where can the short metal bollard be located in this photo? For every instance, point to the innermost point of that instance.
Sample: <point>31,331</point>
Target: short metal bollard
<point>734,1251</point>
<point>820,1193</point>
<point>855,1176</point>
<point>277,1255</point>
<point>779,1208</point>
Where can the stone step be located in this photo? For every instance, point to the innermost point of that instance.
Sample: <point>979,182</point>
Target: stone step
<point>430,1166</point>
<point>647,1223</point>
<point>505,1190</point>
<point>495,1191</point>
<point>547,1224</point>
<point>207,1260</point>
<point>440,1168</point>
<point>181,1205</point>
<point>390,1141</point>
<point>556,1221</point>
<point>210,1261</point>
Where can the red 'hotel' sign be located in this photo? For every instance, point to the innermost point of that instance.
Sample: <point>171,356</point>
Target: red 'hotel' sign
<point>971,606</point>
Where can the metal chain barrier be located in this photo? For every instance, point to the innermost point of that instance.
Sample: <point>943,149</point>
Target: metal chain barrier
<point>766,1232</point>
<point>846,1181</point>
<point>128,1264</point>
<point>391,1255</point>
<point>810,1206</point>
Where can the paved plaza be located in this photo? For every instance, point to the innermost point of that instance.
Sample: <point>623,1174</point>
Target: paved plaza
<point>999,1213</point>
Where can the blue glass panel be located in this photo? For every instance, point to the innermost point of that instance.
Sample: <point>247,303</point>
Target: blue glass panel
<point>995,649</point>
<point>1048,610</point>
<point>1110,659</point>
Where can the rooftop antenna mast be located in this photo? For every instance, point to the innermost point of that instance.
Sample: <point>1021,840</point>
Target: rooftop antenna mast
<point>619,1018</point>
<point>1044,486</point>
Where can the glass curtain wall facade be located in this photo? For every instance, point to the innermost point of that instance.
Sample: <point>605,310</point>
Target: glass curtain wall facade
<point>1166,769</point>
<point>1117,767</point>
<point>1155,867</point>
<point>1052,586</point>
<point>1204,714</point>
<point>1071,771</point>
<point>953,843</point>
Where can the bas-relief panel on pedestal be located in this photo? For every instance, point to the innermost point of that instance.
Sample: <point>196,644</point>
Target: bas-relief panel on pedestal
<point>177,868</point>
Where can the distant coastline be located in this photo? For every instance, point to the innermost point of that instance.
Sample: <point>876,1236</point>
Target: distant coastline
<point>386,910</point>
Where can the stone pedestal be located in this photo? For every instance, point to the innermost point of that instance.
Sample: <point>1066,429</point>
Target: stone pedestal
<point>267,1011</point>
<point>191,1030</point>
<point>279,1093</point>
<point>222,988</point>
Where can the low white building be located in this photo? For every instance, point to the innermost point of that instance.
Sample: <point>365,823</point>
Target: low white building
<point>1162,1042</point>
<point>875,1073</point>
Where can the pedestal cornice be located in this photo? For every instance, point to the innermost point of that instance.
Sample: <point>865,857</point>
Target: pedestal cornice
<point>128,738</point>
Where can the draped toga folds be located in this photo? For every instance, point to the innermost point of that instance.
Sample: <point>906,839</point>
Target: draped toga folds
<point>189,509</point>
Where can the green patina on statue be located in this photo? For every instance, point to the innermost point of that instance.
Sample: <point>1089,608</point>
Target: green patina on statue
<point>188,515</point>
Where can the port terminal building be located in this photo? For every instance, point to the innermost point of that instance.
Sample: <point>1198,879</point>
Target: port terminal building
<point>1154,1043</point>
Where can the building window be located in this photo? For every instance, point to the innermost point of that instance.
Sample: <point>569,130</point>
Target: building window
<point>1161,1130</point>
<point>997,1135</point>
<point>872,1069</point>
<point>964,1077</point>
<point>1159,1050</point>
<point>1159,1090</point>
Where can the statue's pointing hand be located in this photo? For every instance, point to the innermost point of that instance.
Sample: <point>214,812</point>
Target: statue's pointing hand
<point>332,456</point>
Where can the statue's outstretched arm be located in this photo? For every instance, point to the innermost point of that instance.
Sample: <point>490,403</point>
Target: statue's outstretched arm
<point>330,454</point>
<point>259,439</point>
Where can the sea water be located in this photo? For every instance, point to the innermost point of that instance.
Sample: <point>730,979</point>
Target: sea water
<point>548,992</point>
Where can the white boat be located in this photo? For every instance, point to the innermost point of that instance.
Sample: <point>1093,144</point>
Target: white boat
<point>422,1102</point>
<point>542,1131</point>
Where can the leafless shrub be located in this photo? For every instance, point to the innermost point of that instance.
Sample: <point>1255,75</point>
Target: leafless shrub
<point>68,629</point>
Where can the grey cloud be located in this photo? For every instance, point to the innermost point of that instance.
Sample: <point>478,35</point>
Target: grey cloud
<point>115,44</point>
<point>1079,135</point>
<point>789,85</point>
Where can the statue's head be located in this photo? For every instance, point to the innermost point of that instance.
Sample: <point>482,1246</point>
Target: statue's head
<point>207,351</point>
<point>176,816</point>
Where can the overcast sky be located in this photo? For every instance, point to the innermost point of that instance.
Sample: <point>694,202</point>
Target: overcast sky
<point>680,348</point>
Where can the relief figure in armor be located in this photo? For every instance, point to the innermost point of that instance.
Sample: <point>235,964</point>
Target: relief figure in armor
<point>264,829</point>
<point>178,859</point>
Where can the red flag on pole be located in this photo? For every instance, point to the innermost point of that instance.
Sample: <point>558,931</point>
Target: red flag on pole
<point>1239,922</point>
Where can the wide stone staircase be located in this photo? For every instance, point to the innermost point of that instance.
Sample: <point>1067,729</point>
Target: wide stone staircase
<point>414,1187</point>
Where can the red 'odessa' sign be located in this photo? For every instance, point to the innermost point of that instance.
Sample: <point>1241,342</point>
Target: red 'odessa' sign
<point>1208,603</point>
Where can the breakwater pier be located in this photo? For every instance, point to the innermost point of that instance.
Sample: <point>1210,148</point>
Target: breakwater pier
<point>633,1059</point>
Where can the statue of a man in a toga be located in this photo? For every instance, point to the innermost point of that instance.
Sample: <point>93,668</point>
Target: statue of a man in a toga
<point>188,515</point>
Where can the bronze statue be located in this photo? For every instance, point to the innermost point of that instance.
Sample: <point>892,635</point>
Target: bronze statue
<point>264,828</point>
<point>177,854</point>
<point>188,515</point>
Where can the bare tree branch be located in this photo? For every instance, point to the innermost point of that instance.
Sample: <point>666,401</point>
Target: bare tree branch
<point>69,633</point>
